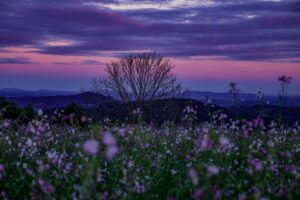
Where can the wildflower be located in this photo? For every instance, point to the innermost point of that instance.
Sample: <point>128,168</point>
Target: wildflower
<point>46,187</point>
<point>83,119</point>
<point>242,196</point>
<point>108,139</point>
<point>111,151</point>
<point>223,141</point>
<point>213,170</point>
<point>270,143</point>
<point>40,112</point>
<point>194,176</point>
<point>91,147</point>
<point>206,143</point>
<point>139,188</point>
<point>29,142</point>
<point>258,166</point>
<point>137,111</point>
<point>6,124</point>
<point>218,195</point>
<point>111,145</point>
<point>122,132</point>
<point>1,168</point>
<point>197,194</point>
<point>31,129</point>
<point>105,195</point>
<point>258,123</point>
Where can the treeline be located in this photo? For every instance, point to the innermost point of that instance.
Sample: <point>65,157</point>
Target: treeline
<point>69,115</point>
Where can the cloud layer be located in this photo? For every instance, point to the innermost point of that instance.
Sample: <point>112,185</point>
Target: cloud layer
<point>17,60</point>
<point>239,30</point>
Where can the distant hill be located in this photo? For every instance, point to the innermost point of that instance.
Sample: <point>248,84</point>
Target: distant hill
<point>221,99</point>
<point>100,107</point>
<point>245,99</point>
<point>84,100</point>
<point>270,112</point>
<point>15,92</point>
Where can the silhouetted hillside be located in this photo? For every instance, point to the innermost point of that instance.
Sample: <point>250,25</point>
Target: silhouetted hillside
<point>100,107</point>
<point>156,111</point>
<point>84,100</point>
<point>15,92</point>
<point>270,112</point>
<point>159,111</point>
<point>245,99</point>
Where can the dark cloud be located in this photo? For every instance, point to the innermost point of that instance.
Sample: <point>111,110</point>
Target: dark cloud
<point>93,62</point>
<point>17,60</point>
<point>243,30</point>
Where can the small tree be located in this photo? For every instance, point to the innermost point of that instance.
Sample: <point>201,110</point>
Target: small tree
<point>234,91</point>
<point>139,77</point>
<point>284,81</point>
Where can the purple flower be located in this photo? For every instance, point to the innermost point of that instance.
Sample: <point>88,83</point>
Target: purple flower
<point>91,147</point>
<point>218,195</point>
<point>111,145</point>
<point>108,139</point>
<point>242,196</point>
<point>197,194</point>
<point>122,132</point>
<point>224,141</point>
<point>258,123</point>
<point>139,188</point>
<point>111,151</point>
<point>206,143</point>
<point>6,124</point>
<point>213,170</point>
<point>259,166</point>
<point>1,168</point>
<point>256,164</point>
<point>46,187</point>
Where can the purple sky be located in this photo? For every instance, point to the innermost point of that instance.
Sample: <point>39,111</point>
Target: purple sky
<point>62,44</point>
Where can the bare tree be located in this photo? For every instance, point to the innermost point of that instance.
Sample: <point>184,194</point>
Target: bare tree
<point>139,77</point>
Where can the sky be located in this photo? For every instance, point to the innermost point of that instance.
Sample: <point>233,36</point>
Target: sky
<point>63,44</point>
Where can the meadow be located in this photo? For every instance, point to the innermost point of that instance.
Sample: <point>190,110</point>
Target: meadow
<point>219,159</point>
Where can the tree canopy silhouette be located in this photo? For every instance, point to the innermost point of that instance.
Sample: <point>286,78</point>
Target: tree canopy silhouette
<point>139,77</point>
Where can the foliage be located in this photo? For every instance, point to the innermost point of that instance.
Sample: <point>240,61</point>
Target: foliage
<point>9,109</point>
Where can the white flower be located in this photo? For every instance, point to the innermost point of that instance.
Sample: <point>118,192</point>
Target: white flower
<point>194,176</point>
<point>40,112</point>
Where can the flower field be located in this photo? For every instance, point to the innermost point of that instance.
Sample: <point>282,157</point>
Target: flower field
<point>215,160</point>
